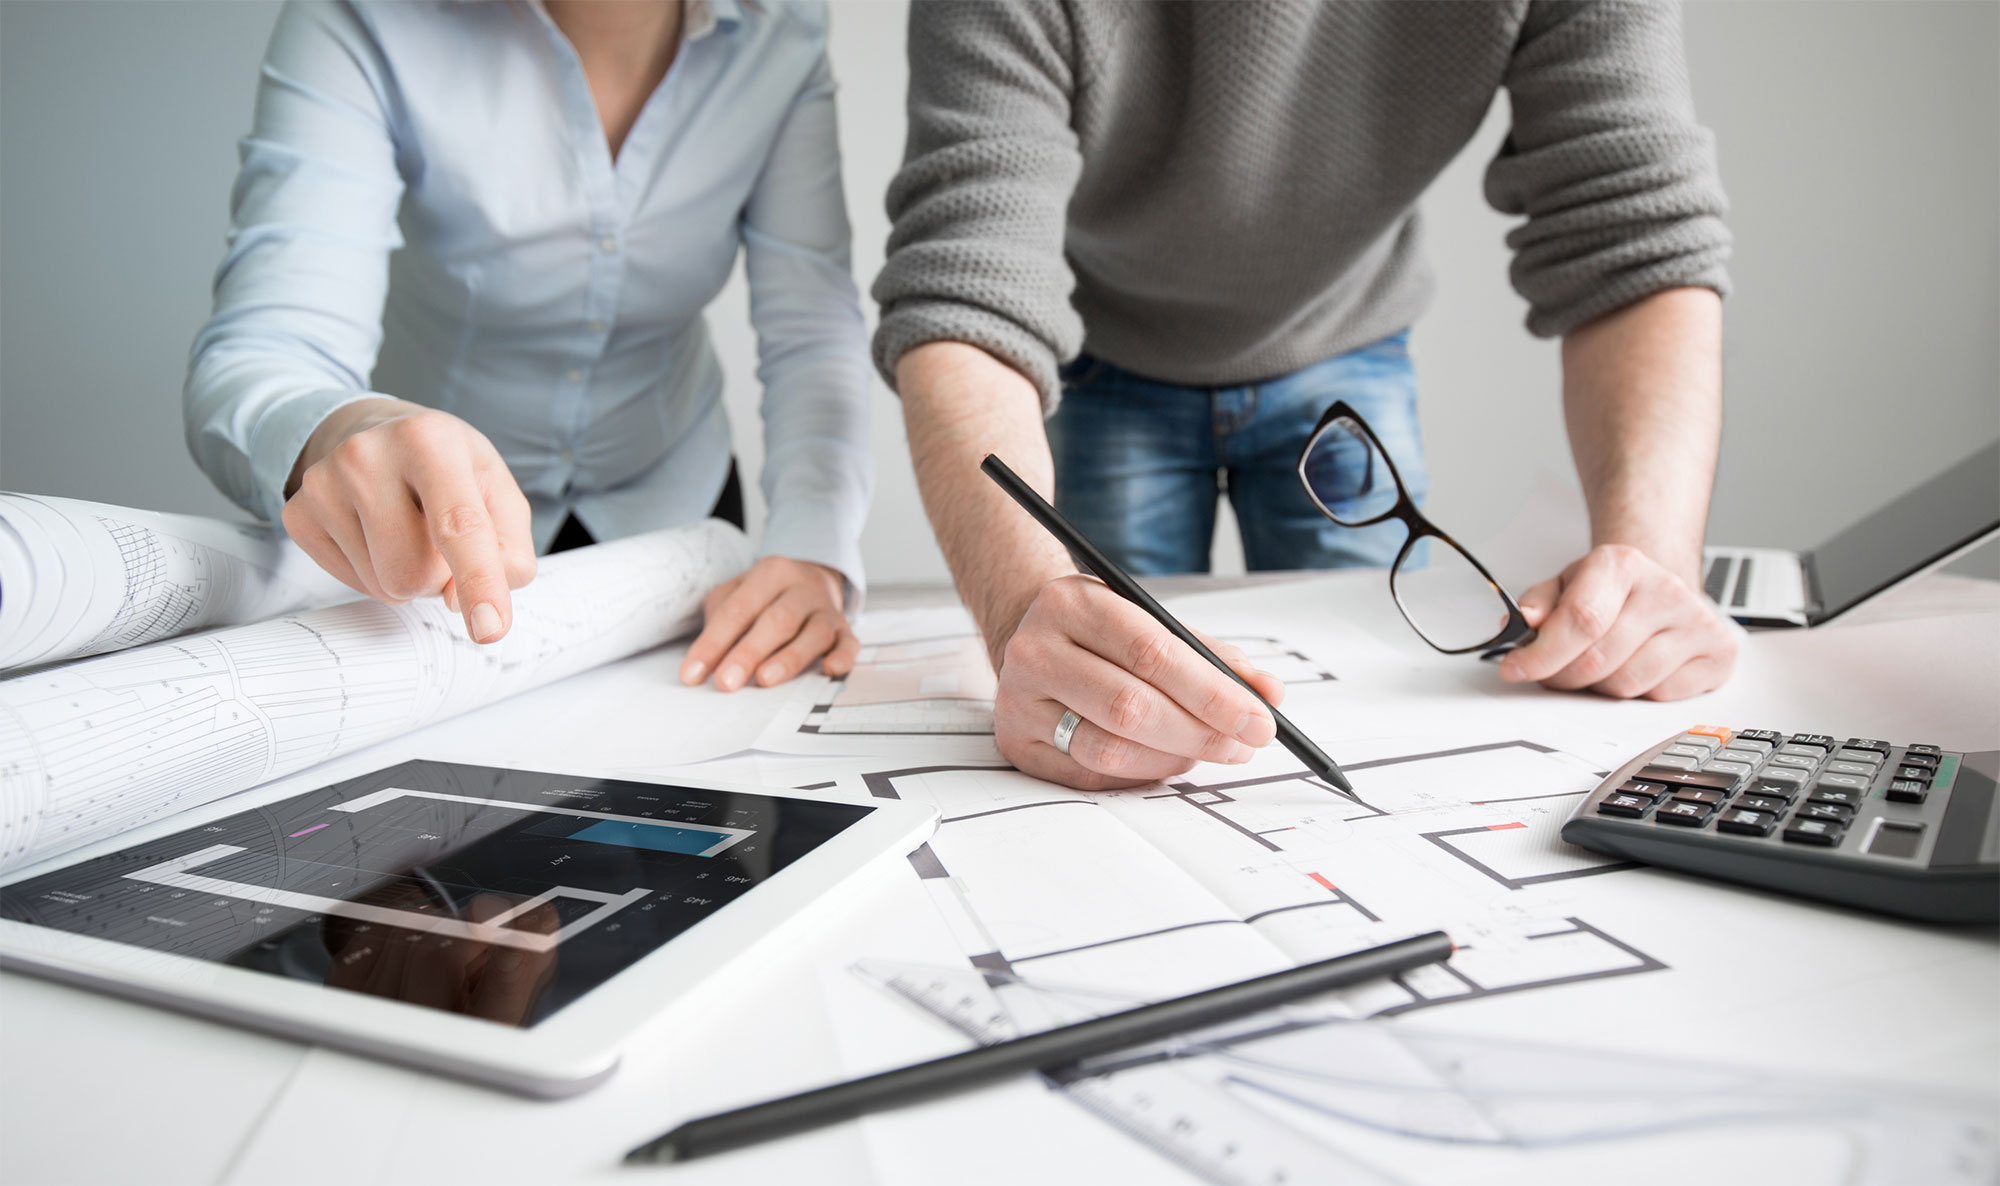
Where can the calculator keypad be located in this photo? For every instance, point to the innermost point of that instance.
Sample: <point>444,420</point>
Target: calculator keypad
<point>1892,828</point>
<point>1805,788</point>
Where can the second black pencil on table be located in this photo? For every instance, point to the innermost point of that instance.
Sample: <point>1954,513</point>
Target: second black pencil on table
<point>1120,582</point>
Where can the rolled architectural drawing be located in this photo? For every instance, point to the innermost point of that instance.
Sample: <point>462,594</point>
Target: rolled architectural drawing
<point>84,578</point>
<point>94,747</point>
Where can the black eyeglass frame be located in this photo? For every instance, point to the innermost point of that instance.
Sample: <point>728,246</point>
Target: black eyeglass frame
<point>1513,634</point>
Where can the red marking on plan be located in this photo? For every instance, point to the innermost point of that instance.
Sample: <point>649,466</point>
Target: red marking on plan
<point>1331,888</point>
<point>1503,827</point>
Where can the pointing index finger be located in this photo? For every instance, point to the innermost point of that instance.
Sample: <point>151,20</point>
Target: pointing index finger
<point>462,528</point>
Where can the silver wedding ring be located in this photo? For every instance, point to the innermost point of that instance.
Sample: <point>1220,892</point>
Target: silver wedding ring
<point>1066,729</point>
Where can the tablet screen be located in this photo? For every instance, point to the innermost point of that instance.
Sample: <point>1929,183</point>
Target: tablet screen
<point>499,894</point>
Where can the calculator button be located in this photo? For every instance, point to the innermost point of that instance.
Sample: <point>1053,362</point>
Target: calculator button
<point>1844,796</point>
<point>1714,780</point>
<point>1931,750</point>
<point>1767,736</point>
<point>1629,806</point>
<point>1914,774</point>
<point>1722,734</point>
<point>1758,748</point>
<point>1795,761</point>
<point>1849,782</point>
<point>1834,811</point>
<point>1780,780</point>
<point>1924,760</point>
<point>1698,752</point>
<point>1640,787</point>
<point>1858,769</point>
<point>1722,766</point>
<point>1880,747</point>
<point>1817,739</point>
<point>1685,815</point>
<point>1821,832</point>
<point>1746,821</point>
<point>1697,795</point>
<point>1674,762</point>
<point>1760,802</point>
<point>1905,790</point>
<point>1896,840</point>
<point>1866,756</point>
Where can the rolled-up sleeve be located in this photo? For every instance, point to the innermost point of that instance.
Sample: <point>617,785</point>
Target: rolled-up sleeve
<point>1616,179</point>
<point>297,318</point>
<point>980,205</point>
<point>812,344</point>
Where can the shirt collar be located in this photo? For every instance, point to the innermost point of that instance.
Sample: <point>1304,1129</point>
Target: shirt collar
<point>698,19</point>
<point>702,17</point>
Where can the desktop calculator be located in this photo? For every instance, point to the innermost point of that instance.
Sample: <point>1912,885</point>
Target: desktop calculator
<point>1910,830</point>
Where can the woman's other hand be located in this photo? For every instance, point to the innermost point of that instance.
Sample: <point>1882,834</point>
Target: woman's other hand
<point>400,502</point>
<point>770,624</point>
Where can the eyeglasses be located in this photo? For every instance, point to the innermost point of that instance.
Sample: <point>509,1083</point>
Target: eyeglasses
<point>1452,602</point>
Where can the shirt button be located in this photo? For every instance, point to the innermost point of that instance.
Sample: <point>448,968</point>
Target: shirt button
<point>574,375</point>
<point>565,457</point>
<point>608,244</point>
<point>597,325</point>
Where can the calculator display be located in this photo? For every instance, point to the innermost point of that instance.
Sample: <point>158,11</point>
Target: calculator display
<point>499,894</point>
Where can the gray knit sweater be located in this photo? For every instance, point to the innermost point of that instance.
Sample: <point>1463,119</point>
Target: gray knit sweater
<point>1217,192</point>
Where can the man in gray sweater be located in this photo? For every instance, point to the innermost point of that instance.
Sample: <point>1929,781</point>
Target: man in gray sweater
<point>1207,210</point>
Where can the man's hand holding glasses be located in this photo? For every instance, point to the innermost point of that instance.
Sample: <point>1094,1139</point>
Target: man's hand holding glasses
<point>1616,622</point>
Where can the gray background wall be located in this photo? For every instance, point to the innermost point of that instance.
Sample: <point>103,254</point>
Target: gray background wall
<point>1860,144</point>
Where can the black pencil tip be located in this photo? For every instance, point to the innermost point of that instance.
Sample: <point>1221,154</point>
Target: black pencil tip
<point>1334,776</point>
<point>657,1152</point>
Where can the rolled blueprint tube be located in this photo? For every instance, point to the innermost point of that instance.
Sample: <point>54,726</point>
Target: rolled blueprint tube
<point>95,747</point>
<point>83,578</point>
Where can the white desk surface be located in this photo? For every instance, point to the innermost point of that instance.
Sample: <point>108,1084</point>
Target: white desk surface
<point>98,1090</point>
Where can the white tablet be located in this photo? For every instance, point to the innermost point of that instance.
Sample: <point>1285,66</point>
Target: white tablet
<point>499,925</point>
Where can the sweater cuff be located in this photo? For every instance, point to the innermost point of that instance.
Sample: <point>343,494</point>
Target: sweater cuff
<point>814,533</point>
<point>281,434</point>
<point>1608,294</point>
<point>911,324</point>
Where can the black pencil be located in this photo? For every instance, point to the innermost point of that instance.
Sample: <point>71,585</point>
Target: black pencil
<point>1104,569</point>
<point>1048,1050</point>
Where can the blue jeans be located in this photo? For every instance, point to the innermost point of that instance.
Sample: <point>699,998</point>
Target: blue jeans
<point>1139,463</point>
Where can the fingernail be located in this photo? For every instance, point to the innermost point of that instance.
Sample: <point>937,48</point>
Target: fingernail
<point>1243,754</point>
<point>773,673</point>
<point>693,671</point>
<point>730,677</point>
<point>1242,723</point>
<point>485,621</point>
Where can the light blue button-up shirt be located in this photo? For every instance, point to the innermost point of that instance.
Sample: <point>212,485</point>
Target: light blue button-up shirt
<point>543,291</point>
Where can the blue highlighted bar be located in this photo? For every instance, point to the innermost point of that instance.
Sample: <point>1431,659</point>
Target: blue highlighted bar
<point>658,837</point>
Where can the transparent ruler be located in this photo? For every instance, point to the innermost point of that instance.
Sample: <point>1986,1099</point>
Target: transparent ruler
<point>1169,1098</point>
<point>1308,1094</point>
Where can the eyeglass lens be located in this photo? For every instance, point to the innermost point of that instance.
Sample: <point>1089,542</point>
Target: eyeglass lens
<point>1448,600</point>
<point>1347,475</point>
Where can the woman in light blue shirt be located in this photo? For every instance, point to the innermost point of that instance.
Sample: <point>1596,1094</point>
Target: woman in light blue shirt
<point>460,315</point>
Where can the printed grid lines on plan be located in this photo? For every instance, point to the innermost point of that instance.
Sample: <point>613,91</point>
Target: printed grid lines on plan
<point>1268,872</point>
<point>945,685</point>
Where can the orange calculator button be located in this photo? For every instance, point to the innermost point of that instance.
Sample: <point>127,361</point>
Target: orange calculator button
<point>1722,735</point>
